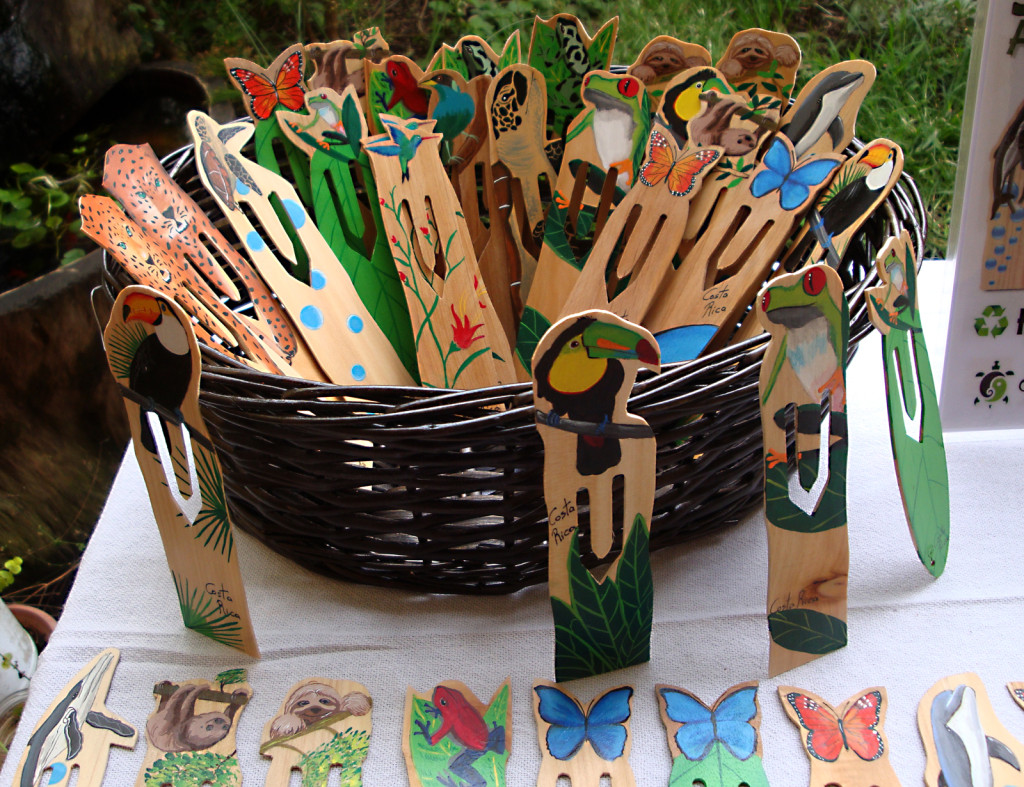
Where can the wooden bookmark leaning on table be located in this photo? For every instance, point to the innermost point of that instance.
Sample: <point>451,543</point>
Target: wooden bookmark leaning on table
<point>190,734</point>
<point>77,730</point>
<point>846,745</point>
<point>587,745</point>
<point>321,724</point>
<point>964,741</point>
<point>914,424</point>
<point>449,737</point>
<point>808,550</point>
<point>583,370</point>
<point>717,746</point>
<point>154,357</point>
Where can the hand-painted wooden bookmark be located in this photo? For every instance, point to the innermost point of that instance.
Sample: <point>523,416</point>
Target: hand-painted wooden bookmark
<point>321,724</point>
<point>718,746</point>
<point>583,370</point>
<point>914,423</point>
<point>460,342</point>
<point>586,745</point>
<point>846,745</point>
<point>964,741</point>
<point>338,64</point>
<point>449,737</point>
<point>661,60</point>
<point>154,357</point>
<point>348,344</point>
<point>191,732</point>
<point>808,551</point>
<point>77,730</point>
<point>394,89</point>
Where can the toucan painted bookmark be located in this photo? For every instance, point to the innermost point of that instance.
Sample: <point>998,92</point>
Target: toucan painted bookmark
<point>914,423</point>
<point>77,730</point>
<point>583,370</point>
<point>808,550</point>
<point>154,357</point>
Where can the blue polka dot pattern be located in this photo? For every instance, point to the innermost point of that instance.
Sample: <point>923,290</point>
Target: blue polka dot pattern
<point>311,317</point>
<point>317,280</point>
<point>295,213</point>
<point>254,241</point>
<point>358,373</point>
<point>241,187</point>
<point>355,323</point>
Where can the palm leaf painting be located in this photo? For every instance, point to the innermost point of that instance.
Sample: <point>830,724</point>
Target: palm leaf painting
<point>122,344</point>
<point>201,613</point>
<point>212,523</point>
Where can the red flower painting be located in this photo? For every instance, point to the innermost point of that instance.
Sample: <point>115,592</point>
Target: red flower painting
<point>464,334</point>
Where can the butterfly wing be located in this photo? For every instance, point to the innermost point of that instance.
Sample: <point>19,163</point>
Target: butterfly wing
<point>796,187</point>
<point>659,161</point>
<point>684,172</point>
<point>732,718</point>
<point>860,725</point>
<point>289,82</point>
<point>697,734</point>
<point>824,736</point>
<point>605,723</point>
<point>261,91</point>
<point>568,725</point>
<point>779,163</point>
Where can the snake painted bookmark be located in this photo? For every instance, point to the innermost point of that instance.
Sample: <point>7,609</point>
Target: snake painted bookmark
<point>583,370</point>
<point>804,369</point>
<point>914,423</point>
<point>154,357</point>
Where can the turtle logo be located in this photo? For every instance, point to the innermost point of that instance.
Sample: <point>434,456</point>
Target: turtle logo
<point>992,322</point>
<point>992,387</point>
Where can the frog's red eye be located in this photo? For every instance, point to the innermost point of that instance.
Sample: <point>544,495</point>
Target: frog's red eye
<point>765,300</point>
<point>814,281</point>
<point>629,87</point>
<point>586,80</point>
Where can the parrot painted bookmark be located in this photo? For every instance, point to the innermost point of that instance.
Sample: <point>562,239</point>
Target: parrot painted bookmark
<point>321,725</point>
<point>451,738</point>
<point>914,422</point>
<point>583,373</point>
<point>154,357</point>
<point>808,551</point>
<point>77,730</point>
<point>717,746</point>
<point>590,746</point>
<point>846,745</point>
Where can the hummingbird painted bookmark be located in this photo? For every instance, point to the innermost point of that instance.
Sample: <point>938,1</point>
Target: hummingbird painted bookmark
<point>583,373</point>
<point>914,422</point>
<point>804,369</point>
<point>77,730</point>
<point>154,357</point>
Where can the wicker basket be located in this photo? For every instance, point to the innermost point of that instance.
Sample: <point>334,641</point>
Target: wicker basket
<point>441,491</point>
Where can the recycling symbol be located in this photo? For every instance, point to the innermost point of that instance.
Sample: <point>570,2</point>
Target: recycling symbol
<point>992,323</point>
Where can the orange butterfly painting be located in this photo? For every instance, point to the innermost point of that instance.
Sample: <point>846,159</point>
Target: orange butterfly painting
<point>680,173</point>
<point>828,733</point>
<point>265,92</point>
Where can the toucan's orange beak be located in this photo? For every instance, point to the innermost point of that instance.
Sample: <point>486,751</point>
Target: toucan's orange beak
<point>877,155</point>
<point>139,306</point>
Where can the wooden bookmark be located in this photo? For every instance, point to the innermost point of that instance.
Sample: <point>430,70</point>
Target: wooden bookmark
<point>471,56</point>
<point>914,423</point>
<point>808,550</point>
<point>964,741</point>
<point>394,88</point>
<point>134,175</point>
<point>583,371</point>
<point>586,745</point>
<point>347,343</point>
<point>450,737</point>
<point>321,724</point>
<point>154,357</point>
<point>191,731</point>
<point>338,64</point>
<point>460,342</point>
<point>77,730</point>
<point>846,745</point>
<point>150,264</point>
<point>661,60</point>
<point>716,746</point>
<point>763,64</point>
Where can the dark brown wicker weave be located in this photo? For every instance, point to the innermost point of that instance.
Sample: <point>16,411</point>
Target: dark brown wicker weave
<point>440,491</point>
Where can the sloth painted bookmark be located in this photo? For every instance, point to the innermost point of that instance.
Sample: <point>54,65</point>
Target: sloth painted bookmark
<point>803,372</point>
<point>154,357</point>
<point>588,745</point>
<point>583,373</point>
<point>322,725</point>
<point>717,746</point>
<point>449,737</point>
<point>846,745</point>
<point>914,423</point>
<point>77,731</point>
<point>191,731</point>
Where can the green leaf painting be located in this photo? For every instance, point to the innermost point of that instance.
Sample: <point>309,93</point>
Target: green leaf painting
<point>532,327</point>
<point>719,768</point>
<point>347,751</point>
<point>807,631</point>
<point>194,769</point>
<point>230,677</point>
<point>512,53</point>
<point>201,612</point>
<point>124,341</point>
<point>605,626</point>
<point>378,95</point>
<point>272,148</point>
<point>212,525</point>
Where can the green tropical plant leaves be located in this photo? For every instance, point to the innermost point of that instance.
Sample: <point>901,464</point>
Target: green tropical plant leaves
<point>347,749</point>
<point>807,631</point>
<point>719,768</point>
<point>532,327</point>
<point>123,343</point>
<point>194,769</point>
<point>605,625</point>
<point>212,522</point>
<point>201,613</point>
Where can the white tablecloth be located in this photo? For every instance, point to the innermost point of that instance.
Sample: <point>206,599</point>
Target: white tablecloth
<point>906,630</point>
